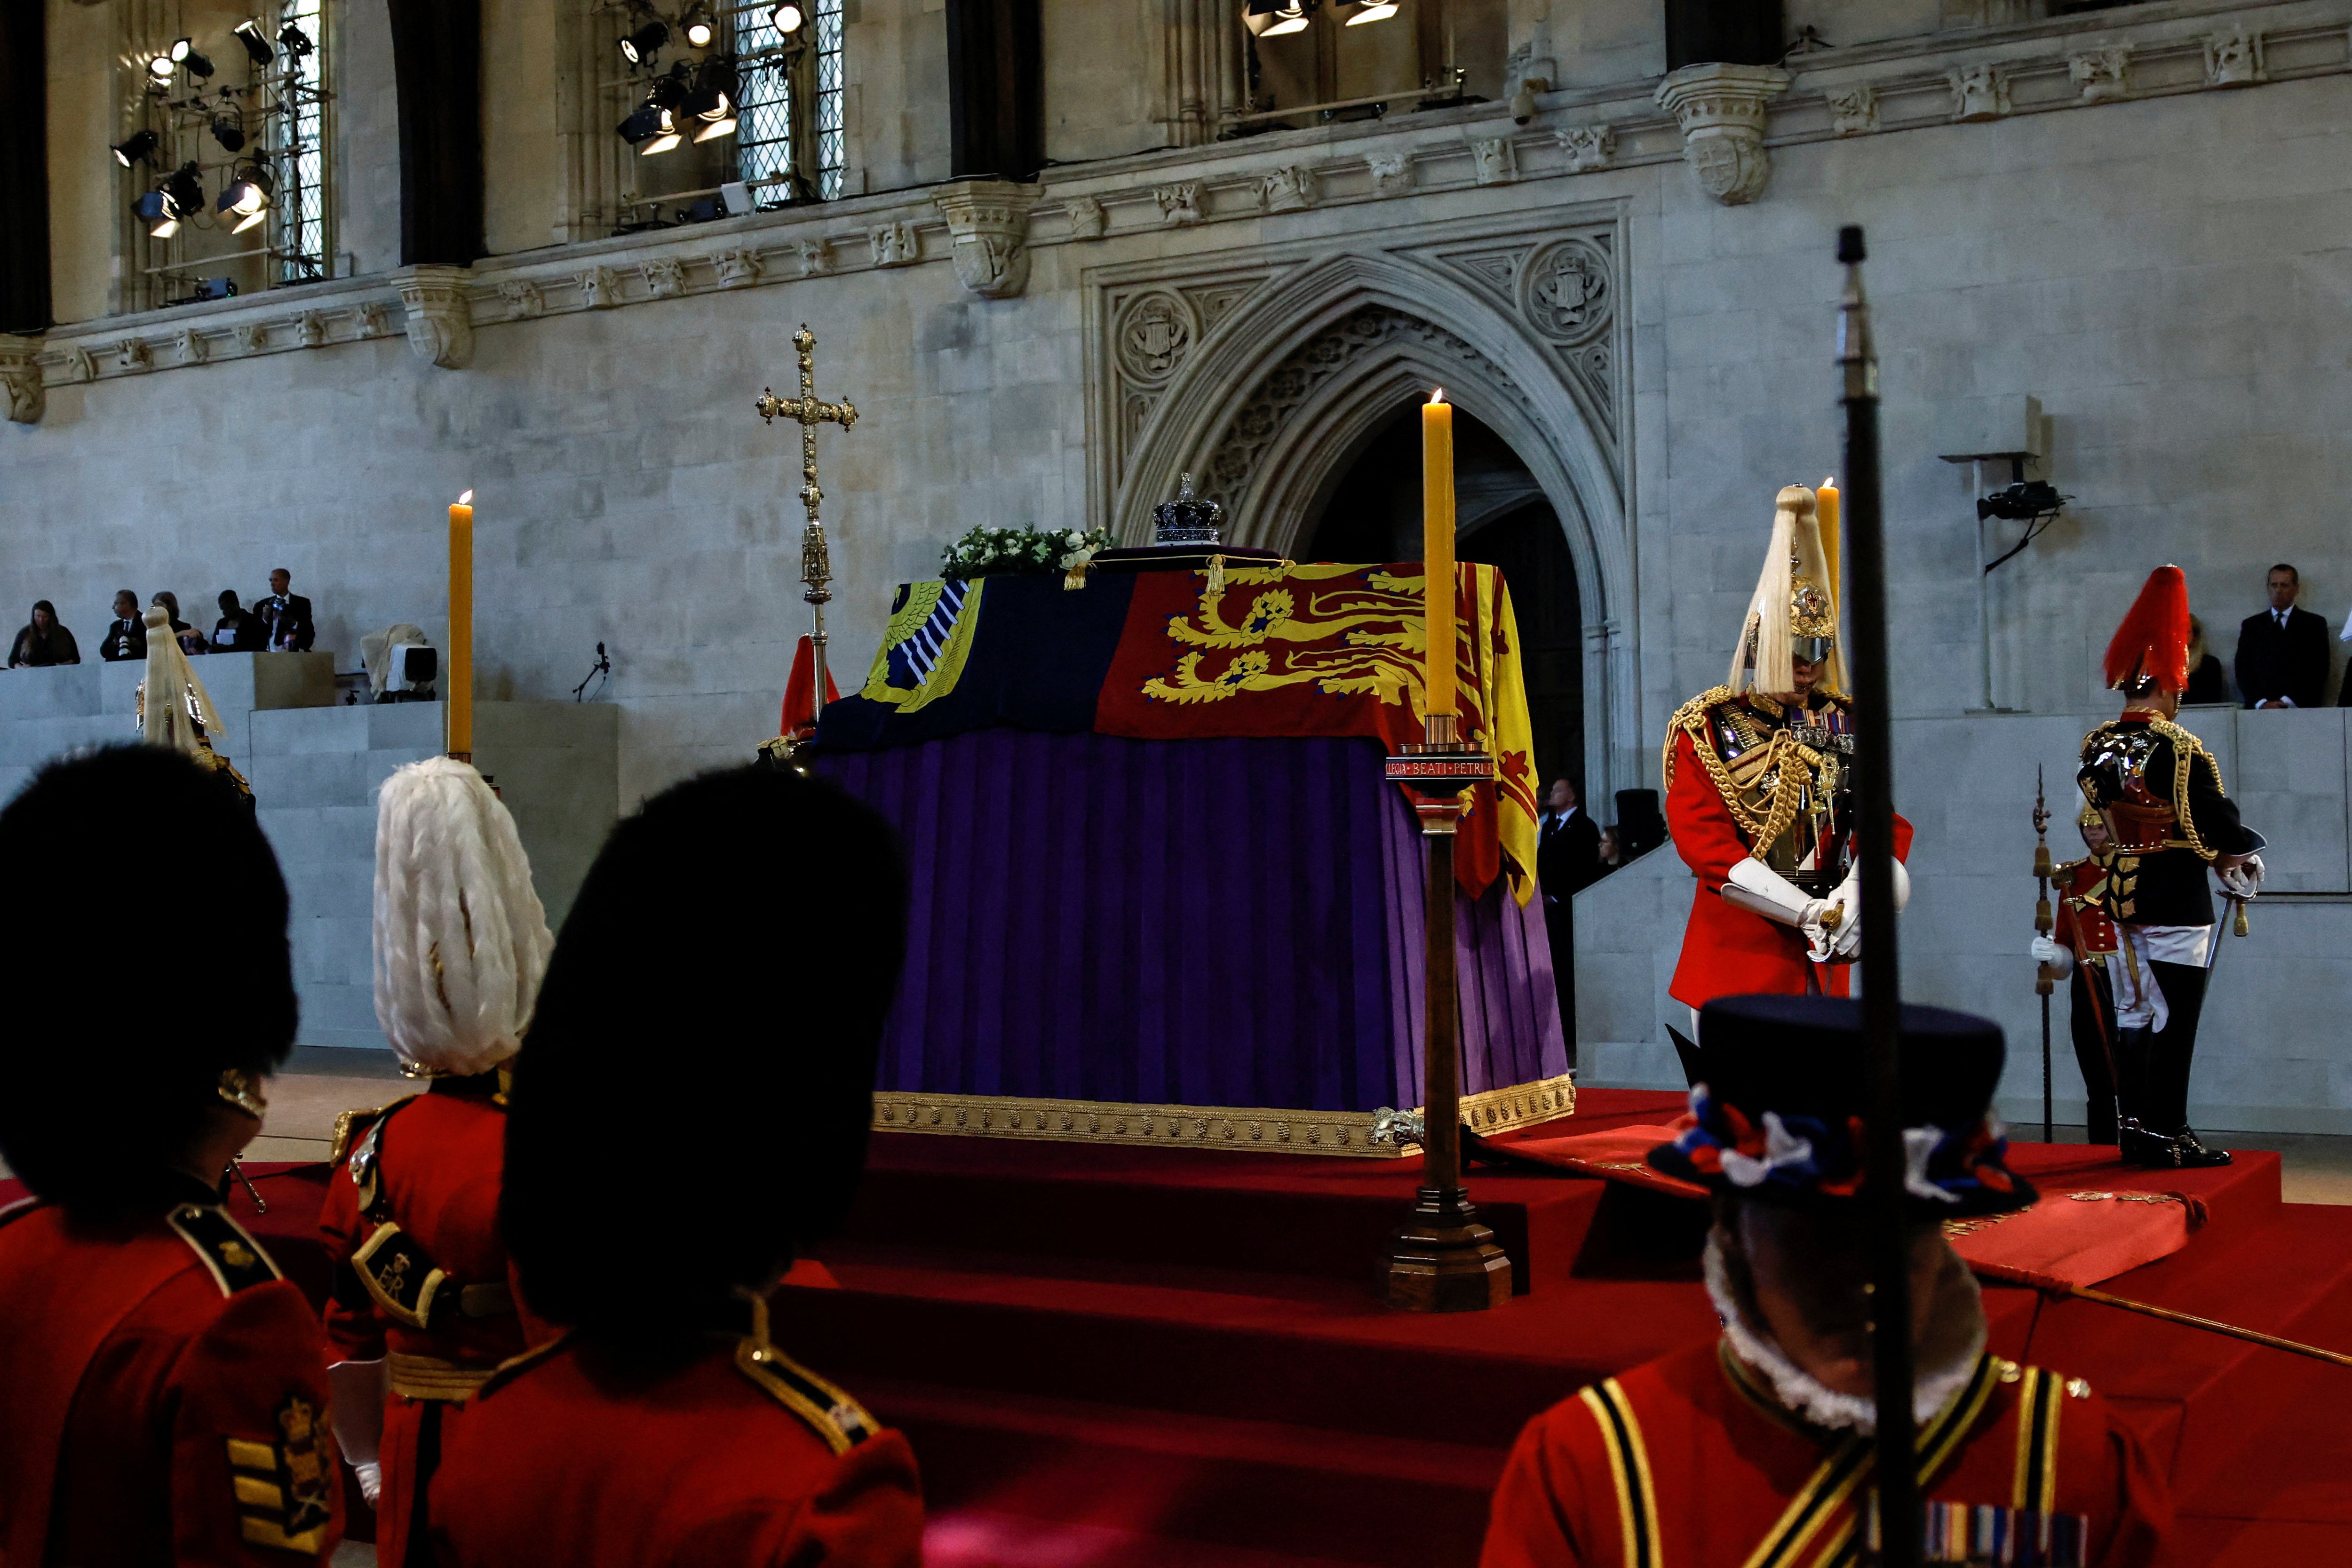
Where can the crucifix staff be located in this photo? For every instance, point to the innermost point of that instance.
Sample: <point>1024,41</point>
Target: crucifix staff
<point>816,556</point>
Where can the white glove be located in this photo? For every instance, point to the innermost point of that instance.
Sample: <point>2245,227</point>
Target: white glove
<point>1774,896</point>
<point>2244,879</point>
<point>2052,954</point>
<point>371,1476</point>
<point>1846,938</point>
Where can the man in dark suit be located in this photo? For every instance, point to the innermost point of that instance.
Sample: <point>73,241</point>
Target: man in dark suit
<point>127,637</point>
<point>2282,652</point>
<point>1567,856</point>
<point>287,613</point>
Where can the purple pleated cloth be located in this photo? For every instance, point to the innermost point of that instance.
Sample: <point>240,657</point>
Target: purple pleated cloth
<point>1218,923</point>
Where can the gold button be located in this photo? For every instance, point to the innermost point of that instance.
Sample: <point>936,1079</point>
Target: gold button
<point>2077,1388</point>
<point>2009,1371</point>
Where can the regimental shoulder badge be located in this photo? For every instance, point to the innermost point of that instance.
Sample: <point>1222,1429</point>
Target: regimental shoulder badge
<point>283,1496</point>
<point>400,1275</point>
<point>234,1258</point>
<point>825,1409</point>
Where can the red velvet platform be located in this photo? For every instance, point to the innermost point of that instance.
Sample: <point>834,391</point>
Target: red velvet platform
<point>1155,1358</point>
<point>1167,1358</point>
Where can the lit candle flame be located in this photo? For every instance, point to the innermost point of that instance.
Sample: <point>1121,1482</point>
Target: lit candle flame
<point>1439,396</point>
<point>466,499</point>
<point>1827,484</point>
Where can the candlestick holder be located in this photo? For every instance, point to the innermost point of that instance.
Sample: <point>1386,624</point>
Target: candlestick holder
<point>1443,1258</point>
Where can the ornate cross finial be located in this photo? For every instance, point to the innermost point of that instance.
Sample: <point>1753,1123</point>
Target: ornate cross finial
<point>816,557</point>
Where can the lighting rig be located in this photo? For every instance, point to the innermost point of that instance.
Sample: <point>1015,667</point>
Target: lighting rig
<point>696,99</point>
<point>184,107</point>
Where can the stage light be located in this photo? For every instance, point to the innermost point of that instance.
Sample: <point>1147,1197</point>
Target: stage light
<point>228,129</point>
<point>181,194</point>
<point>718,121</point>
<point>700,29</point>
<point>1366,10</point>
<point>669,90</point>
<point>652,128</point>
<point>641,46</point>
<point>161,68</point>
<point>156,211</point>
<point>247,195</point>
<point>713,101</point>
<point>294,41</point>
<point>786,18</point>
<point>1273,19</point>
<point>140,145</point>
<point>256,47</point>
<point>185,55</point>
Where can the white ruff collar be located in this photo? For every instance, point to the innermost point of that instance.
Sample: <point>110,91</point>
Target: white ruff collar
<point>1806,1395</point>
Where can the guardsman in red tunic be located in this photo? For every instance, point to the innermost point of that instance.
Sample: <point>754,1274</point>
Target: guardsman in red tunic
<point>2086,942</point>
<point>421,1312</point>
<point>666,1426</point>
<point>1756,1448</point>
<point>1760,794</point>
<point>163,1389</point>
<point>2160,792</point>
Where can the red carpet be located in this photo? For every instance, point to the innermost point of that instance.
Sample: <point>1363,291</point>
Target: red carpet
<point>1159,1358</point>
<point>1169,1358</point>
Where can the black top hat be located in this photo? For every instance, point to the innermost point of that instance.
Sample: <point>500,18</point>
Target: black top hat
<point>1778,1113</point>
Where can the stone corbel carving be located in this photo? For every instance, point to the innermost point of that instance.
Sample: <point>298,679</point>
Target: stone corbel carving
<point>1589,147</point>
<point>253,336</point>
<point>2234,59</point>
<point>737,268</point>
<point>665,277</point>
<point>131,355</point>
<point>188,346</point>
<point>1853,111</point>
<point>1087,218</point>
<point>1979,93</point>
<point>1495,159</point>
<point>20,380</point>
<point>1179,203</point>
<point>1721,110</point>
<point>1392,172</point>
<point>1291,189</point>
<point>372,321</point>
<point>440,317</point>
<point>816,257</point>
<point>312,328</point>
<point>79,366</point>
<point>522,296</point>
<point>895,244</point>
<point>599,289</point>
<point>988,231</point>
<point>2103,76</point>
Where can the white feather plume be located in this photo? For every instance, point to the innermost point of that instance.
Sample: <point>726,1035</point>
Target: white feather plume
<point>461,938</point>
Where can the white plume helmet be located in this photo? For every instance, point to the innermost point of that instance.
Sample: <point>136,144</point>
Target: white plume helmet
<point>461,938</point>
<point>1796,595</point>
<point>172,701</point>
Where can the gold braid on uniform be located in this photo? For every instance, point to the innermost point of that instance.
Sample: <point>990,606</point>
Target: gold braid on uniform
<point>2186,749</point>
<point>1788,794</point>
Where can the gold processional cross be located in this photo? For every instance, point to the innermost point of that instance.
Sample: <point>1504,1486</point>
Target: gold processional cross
<point>816,559</point>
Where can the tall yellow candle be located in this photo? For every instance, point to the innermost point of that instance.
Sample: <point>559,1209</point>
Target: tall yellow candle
<point>458,689</point>
<point>1437,547</point>
<point>1827,511</point>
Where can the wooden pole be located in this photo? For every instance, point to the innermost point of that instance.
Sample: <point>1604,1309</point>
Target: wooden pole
<point>1882,995</point>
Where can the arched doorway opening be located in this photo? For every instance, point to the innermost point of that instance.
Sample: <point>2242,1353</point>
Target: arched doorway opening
<point>1504,520</point>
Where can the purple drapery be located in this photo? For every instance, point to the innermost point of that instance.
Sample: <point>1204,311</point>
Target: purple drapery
<point>1183,923</point>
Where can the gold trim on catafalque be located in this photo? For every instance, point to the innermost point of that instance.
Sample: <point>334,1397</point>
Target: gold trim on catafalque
<point>1349,1134</point>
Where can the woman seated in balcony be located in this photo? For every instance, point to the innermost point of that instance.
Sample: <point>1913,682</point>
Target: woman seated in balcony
<point>43,641</point>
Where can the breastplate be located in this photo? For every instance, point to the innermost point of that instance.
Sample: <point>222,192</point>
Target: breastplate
<point>2115,777</point>
<point>1797,767</point>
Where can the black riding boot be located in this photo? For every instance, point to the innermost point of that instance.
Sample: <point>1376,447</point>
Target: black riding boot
<point>2169,1053</point>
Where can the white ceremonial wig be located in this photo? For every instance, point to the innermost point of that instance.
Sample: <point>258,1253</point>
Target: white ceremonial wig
<point>461,938</point>
<point>172,701</point>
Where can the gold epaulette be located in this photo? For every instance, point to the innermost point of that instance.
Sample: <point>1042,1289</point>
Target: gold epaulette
<point>1690,719</point>
<point>514,1366</point>
<point>823,1408</point>
<point>234,1259</point>
<point>350,1124</point>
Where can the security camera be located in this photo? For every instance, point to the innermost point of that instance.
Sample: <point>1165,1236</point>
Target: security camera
<point>2023,501</point>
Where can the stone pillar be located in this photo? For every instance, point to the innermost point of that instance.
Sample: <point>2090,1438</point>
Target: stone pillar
<point>1721,109</point>
<point>440,316</point>
<point>988,220</point>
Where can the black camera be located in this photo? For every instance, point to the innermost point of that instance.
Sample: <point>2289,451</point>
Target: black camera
<point>2022,502</point>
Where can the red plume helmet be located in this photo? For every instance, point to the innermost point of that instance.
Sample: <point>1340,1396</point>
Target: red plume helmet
<point>2151,646</point>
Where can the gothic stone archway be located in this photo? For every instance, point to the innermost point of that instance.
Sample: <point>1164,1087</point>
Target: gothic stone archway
<point>1265,374</point>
